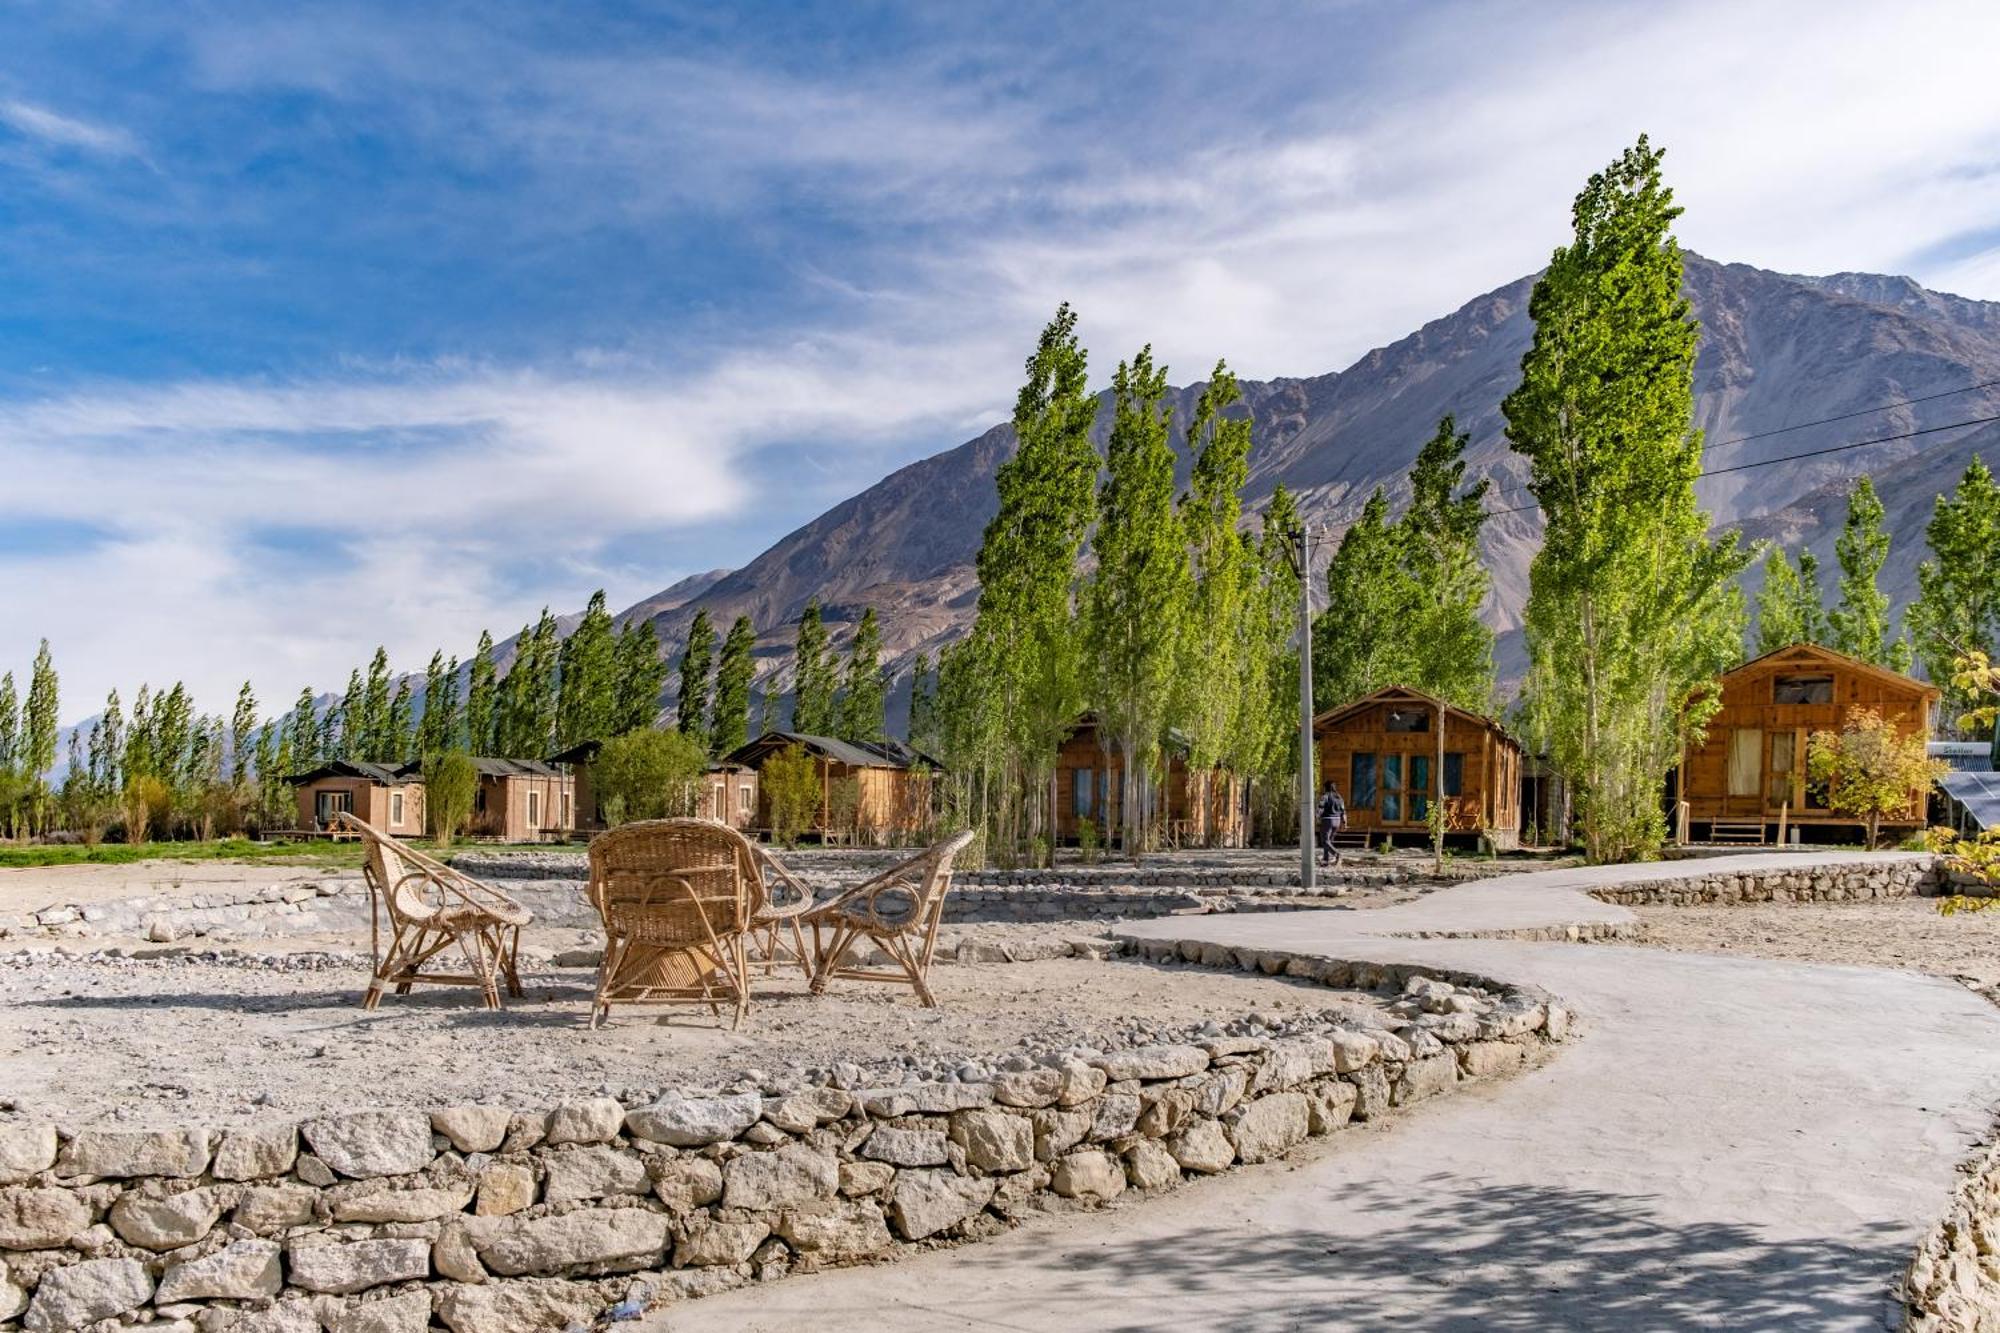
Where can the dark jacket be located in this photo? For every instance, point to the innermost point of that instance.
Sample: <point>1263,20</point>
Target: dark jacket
<point>1333,810</point>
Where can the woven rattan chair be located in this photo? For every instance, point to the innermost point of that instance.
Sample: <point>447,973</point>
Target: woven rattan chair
<point>899,911</point>
<point>777,915</point>
<point>432,908</point>
<point>676,897</point>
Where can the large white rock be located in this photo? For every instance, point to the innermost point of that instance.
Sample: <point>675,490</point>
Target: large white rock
<point>40,1219</point>
<point>791,1175</point>
<point>995,1140</point>
<point>165,1224</point>
<point>1028,1088</point>
<point>801,1112</point>
<point>406,1312</point>
<point>1203,1146</point>
<point>625,1237</point>
<point>1089,1175</point>
<point>343,1268</point>
<point>906,1147</point>
<point>267,1208</point>
<point>1270,1127</point>
<point>257,1151</point>
<point>530,1306</point>
<point>25,1150</point>
<point>1152,1062</point>
<point>594,1121</point>
<point>593,1173</point>
<point>836,1229</point>
<point>504,1188</point>
<point>924,1203</point>
<point>1352,1050</point>
<point>1151,1167</point>
<point>720,1244</point>
<point>687,1183</point>
<point>366,1144</point>
<point>81,1294</point>
<point>241,1271</point>
<point>473,1128</point>
<point>418,1205</point>
<point>694,1122</point>
<point>136,1152</point>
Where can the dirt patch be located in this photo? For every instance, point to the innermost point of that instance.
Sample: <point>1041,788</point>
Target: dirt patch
<point>203,1040</point>
<point>1902,933</point>
<point>31,888</point>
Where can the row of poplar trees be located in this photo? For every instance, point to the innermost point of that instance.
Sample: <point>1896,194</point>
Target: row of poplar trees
<point>1179,630</point>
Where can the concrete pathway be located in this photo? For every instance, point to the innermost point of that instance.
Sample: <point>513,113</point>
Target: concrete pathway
<point>1732,1144</point>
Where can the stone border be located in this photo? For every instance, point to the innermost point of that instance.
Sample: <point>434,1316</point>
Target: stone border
<point>497,1221</point>
<point>1951,1287</point>
<point>1856,882</point>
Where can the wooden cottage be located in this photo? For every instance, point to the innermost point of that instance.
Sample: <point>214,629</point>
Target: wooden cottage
<point>1396,751</point>
<point>1748,776</point>
<point>1189,809</point>
<point>522,800</point>
<point>892,788</point>
<point>388,796</point>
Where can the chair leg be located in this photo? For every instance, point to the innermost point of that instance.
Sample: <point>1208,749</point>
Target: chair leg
<point>513,963</point>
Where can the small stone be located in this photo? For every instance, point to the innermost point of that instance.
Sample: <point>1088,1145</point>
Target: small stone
<point>257,1151</point>
<point>1080,1083</point>
<point>454,1256</point>
<point>168,1223</point>
<point>836,1229</point>
<point>243,1270</point>
<point>859,1178</point>
<point>1148,1166</point>
<point>802,1112</point>
<point>624,1237</point>
<point>82,1294</point>
<point>267,1208</point>
<point>596,1121</point>
<point>1270,1127</point>
<point>1089,1175</point>
<point>718,1244</point>
<point>40,1219</point>
<point>138,1152</point>
<point>906,1147</point>
<point>687,1183</point>
<point>407,1312</point>
<point>314,1172</point>
<point>26,1150</point>
<point>345,1268</point>
<point>1056,1132</point>
<point>1425,1078</point>
<point>1152,1062</point>
<point>1117,1115</point>
<point>1203,1147</point>
<point>1329,1106</point>
<point>505,1187</point>
<point>473,1128</point>
<point>694,1122</point>
<point>418,1205</point>
<point>1484,1059</point>
<point>1353,1050</point>
<point>923,1203</point>
<point>994,1140</point>
<point>1028,1088</point>
<point>790,1176</point>
<point>367,1144</point>
<point>515,1307</point>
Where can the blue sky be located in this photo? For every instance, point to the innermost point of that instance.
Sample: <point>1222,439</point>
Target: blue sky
<point>335,325</point>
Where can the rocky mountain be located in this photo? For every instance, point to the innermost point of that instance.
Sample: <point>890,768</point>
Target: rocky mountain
<point>1777,351</point>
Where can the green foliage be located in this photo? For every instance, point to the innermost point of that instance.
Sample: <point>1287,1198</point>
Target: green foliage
<point>399,731</point>
<point>734,673</point>
<point>376,740</point>
<point>1957,609</point>
<point>813,677</point>
<point>1871,770</point>
<point>242,735</point>
<point>1860,624</point>
<point>651,774</point>
<point>864,700</point>
<point>923,721</point>
<point>1631,608</point>
<point>451,785</point>
<point>1449,646</point>
<point>352,719</point>
<point>843,809</point>
<point>525,701</point>
<point>790,784</point>
<point>642,674</point>
<point>302,732</point>
<point>482,698</point>
<point>697,677</point>
<point>1211,647</point>
<point>1789,609</point>
<point>441,726</point>
<point>1358,641</point>
<point>1978,857</point>
<point>40,722</point>
<point>587,678</point>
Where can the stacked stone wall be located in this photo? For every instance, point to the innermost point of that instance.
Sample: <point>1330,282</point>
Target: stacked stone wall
<point>1854,881</point>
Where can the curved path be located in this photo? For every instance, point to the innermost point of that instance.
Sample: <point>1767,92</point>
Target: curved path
<point>1732,1144</point>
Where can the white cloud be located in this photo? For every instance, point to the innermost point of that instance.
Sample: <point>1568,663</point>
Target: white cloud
<point>39,122</point>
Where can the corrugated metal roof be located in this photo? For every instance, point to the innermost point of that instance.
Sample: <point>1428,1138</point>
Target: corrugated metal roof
<point>1979,793</point>
<point>389,775</point>
<point>515,768</point>
<point>855,754</point>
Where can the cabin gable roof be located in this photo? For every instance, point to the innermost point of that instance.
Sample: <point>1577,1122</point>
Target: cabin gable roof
<point>1391,694</point>
<point>1815,655</point>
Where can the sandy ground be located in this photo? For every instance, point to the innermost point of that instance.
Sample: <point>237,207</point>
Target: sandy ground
<point>193,1041</point>
<point>29,888</point>
<point>1907,934</point>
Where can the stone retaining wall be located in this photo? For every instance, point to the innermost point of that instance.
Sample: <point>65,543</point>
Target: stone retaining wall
<point>486,1220</point>
<point>1853,882</point>
<point>1952,1287</point>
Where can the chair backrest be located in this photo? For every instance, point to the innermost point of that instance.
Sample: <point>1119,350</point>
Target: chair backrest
<point>415,887</point>
<point>675,879</point>
<point>910,896</point>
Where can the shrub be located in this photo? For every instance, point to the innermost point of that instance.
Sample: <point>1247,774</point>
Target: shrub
<point>1869,768</point>
<point>146,803</point>
<point>451,783</point>
<point>649,774</point>
<point>843,809</point>
<point>1087,841</point>
<point>791,790</point>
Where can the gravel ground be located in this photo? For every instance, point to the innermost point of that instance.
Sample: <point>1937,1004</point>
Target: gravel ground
<point>202,1040</point>
<point>1906,934</point>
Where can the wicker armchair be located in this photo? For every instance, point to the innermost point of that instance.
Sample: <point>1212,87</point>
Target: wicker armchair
<point>778,914</point>
<point>431,908</point>
<point>899,911</point>
<point>676,897</point>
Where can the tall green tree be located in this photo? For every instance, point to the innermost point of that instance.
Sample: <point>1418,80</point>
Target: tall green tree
<point>1271,692</point>
<point>1789,609</point>
<point>481,698</point>
<point>733,674</point>
<point>587,696</point>
<point>1025,639</point>
<point>1450,645</point>
<point>242,736</point>
<point>814,675</point>
<point>107,749</point>
<point>303,731</point>
<point>1957,608</point>
<point>353,715</point>
<point>864,701</point>
<point>1360,642</point>
<point>921,727</point>
<point>525,701</point>
<point>41,721</point>
<point>10,724</point>
<point>438,727</point>
<point>697,680</point>
<point>642,674</point>
<point>1139,595</point>
<point>399,730</point>
<point>1211,659</point>
<point>1630,605</point>
<point>375,701</point>
<point>1860,623</point>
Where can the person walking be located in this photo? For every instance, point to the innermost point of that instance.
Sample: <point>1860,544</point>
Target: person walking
<point>1332,819</point>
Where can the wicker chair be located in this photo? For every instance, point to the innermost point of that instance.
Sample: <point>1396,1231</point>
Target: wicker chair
<point>778,913</point>
<point>676,897</point>
<point>899,911</point>
<point>431,908</point>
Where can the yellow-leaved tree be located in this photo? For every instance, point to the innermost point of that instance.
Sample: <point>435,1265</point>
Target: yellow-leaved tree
<point>1870,768</point>
<point>1976,678</point>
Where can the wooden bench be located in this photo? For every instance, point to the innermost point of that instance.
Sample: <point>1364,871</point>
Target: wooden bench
<point>1737,832</point>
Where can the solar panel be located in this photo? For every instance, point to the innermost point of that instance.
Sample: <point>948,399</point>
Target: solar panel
<point>1979,793</point>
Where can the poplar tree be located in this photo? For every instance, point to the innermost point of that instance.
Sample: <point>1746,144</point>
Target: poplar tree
<point>10,725</point>
<point>1788,605</point>
<point>864,702</point>
<point>921,727</point>
<point>242,732</point>
<point>40,723</point>
<point>587,695</point>
<point>1860,623</point>
<point>303,733</point>
<point>396,732</point>
<point>1211,656</point>
<point>642,674</point>
<point>526,697</point>
<point>1957,609</point>
<point>1629,611</point>
<point>1135,602</point>
<point>481,698</point>
<point>107,749</point>
<point>353,719</point>
<point>1024,641</point>
<point>1450,645</point>
<point>1360,642</point>
<point>813,674</point>
<point>1273,691</point>
<point>733,674</point>
<point>436,728</point>
<point>697,679</point>
<point>375,738</point>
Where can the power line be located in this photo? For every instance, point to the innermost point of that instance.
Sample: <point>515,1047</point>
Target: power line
<point>1810,453</point>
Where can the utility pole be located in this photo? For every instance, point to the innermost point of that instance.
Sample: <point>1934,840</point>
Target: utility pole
<point>1307,867</point>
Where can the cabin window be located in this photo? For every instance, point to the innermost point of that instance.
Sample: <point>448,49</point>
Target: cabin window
<point>1361,786</point>
<point>565,810</point>
<point>1408,719</point>
<point>395,807</point>
<point>534,808</point>
<point>1746,759</point>
<point>745,801</point>
<point>1784,758</point>
<point>1392,788</point>
<point>1082,792</point>
<point>1454,772</point>
<point>327,804</point>
<point>1802,690</point>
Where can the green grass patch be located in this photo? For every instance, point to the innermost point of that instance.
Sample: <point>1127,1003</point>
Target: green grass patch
<point>345,854</point>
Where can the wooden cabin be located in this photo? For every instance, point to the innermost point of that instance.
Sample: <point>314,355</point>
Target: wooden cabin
<point>1394,752</point>
<point>1749,774</point>
<point>578,761</point>
<point>893,790</point>
<point>388,796</point>
<point>729,795</point>
<point>1189,809</point>
<point>522,800</point>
